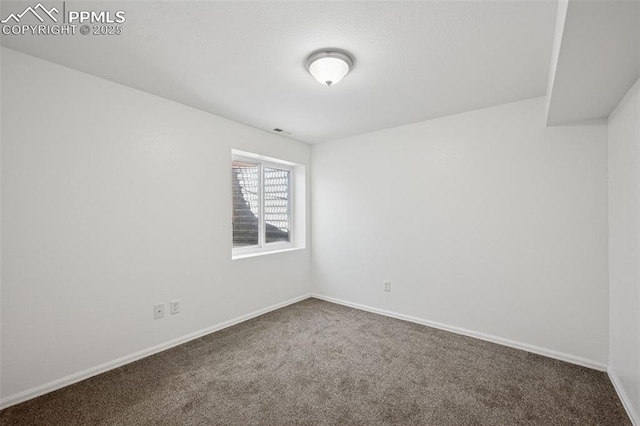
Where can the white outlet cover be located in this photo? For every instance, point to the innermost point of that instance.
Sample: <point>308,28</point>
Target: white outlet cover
<point>174,306</point>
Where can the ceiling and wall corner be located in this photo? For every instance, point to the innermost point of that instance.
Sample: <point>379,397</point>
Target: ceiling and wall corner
<point>245,60</point>
<point>596,59</point>
<point>561,16</point>
<point>416,60</point>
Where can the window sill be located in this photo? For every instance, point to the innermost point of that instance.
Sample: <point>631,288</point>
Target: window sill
<point>263,253</point>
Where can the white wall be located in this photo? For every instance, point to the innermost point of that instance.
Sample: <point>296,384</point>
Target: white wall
<point>114,200</point>
<point>624,249</point>
<point>487,220</point>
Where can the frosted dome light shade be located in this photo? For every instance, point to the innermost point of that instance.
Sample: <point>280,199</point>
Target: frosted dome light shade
<point>329,70</point>
<point>329,67</point>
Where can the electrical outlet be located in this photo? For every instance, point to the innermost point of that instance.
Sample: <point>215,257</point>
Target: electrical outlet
<point>174,306</point>
<point>387,286</point>
<point>158,311</point>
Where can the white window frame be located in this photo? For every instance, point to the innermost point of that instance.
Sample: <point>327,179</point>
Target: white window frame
<point>263,247</point>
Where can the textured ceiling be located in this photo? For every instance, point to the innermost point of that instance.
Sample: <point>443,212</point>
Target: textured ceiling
<point>244,60</point>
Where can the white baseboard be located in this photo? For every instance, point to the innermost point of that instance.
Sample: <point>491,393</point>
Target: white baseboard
<point>90,372</point>
<point>476,334</point>
<point>93,371</point>
<point>626,401</point>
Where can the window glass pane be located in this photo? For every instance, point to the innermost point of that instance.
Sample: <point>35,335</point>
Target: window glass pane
<point>245,180</point>
<point>276,205</point>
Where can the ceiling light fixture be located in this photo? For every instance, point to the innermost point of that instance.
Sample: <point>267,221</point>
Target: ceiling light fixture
<point>329,66</point>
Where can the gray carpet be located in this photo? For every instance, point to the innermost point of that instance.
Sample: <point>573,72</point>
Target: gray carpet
<point>320,363</point>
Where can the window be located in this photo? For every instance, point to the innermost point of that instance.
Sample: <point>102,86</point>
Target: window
<point>263,205</point>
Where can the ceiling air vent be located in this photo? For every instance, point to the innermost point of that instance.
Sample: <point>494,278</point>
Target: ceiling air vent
<point>279,130</point>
